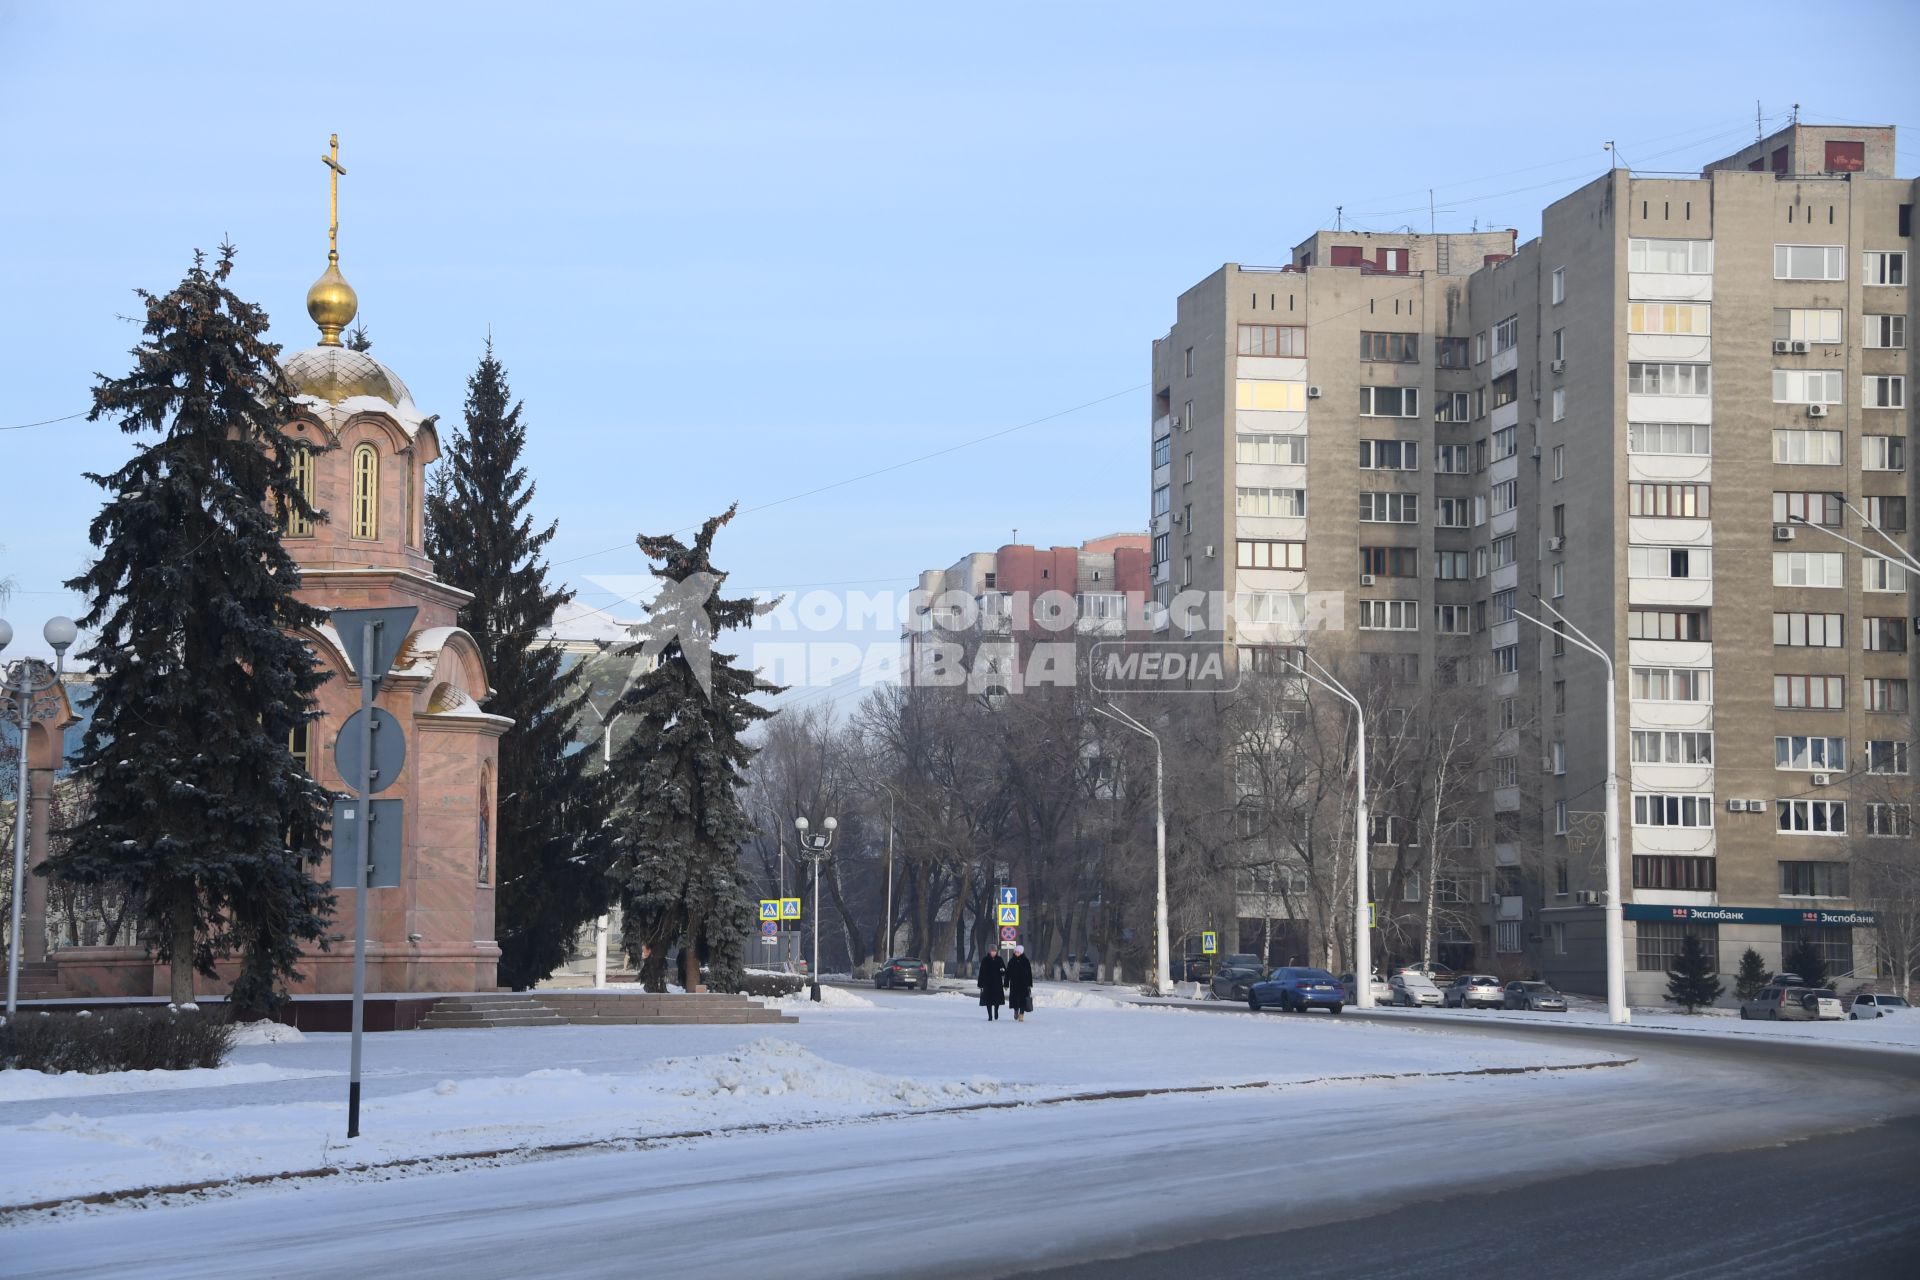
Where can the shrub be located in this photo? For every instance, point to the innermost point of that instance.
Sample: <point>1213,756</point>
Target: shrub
<point>771,985</point>
<point>138,1039</point>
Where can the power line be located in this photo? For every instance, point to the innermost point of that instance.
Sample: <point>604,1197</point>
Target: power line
<point>47,422</point>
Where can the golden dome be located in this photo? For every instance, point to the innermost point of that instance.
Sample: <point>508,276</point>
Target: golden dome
<point>332,302</point>
<point>337,374</point>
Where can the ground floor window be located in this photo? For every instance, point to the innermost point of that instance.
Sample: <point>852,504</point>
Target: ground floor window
<point>1657,942</point>
<point>1835,946</point>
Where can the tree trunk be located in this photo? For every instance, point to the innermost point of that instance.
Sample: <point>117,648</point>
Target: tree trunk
<point>180,947</point>
<point>690,956</point>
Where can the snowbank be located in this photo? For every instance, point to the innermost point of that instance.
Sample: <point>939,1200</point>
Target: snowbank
<point>830,998</point>
<point>252,1033</point>
<point>1051,997</point>
<point>26,1086</point>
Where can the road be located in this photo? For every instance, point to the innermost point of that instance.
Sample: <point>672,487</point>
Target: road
<point>1620,1165</point>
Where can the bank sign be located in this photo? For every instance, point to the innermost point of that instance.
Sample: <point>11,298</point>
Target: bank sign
<point>1749,915</point>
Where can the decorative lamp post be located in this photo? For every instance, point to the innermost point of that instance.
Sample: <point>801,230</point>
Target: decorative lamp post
<point>814,848</point>
<point>26,679</point>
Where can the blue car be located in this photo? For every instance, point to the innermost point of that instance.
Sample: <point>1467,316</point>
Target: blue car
<point>1288,989</point>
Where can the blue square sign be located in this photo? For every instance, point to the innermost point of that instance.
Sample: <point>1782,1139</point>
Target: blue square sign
<point>1008,895</point>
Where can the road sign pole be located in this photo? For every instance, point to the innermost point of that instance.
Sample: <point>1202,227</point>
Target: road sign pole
<point>364,784</point>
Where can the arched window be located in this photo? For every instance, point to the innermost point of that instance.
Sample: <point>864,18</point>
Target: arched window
<point>366,492</point>
<point>300,473</point>
<point>407,517</point>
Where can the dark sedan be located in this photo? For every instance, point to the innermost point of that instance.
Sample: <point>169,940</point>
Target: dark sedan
<point>1290,988</point>
<point>1232,981</point>
<point>901,972</point>
<point>1534,995</point>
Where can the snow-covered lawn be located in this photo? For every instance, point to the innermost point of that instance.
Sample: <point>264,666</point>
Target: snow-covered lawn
<point>281,1106</point>
<point>1899,1032</point>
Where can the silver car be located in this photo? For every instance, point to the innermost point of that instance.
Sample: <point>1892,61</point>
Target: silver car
<point>1537,996</point>
<point>1471,990</point>
<point>1412,989</point>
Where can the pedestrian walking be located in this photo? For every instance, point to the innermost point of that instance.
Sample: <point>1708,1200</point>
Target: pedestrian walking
<point>992,980</point>
<point>1020,984</point>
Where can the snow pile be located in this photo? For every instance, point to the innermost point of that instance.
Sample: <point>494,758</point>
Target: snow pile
<point>830,998</point>
<point>28,1086</point>
<point>252,1033</point>
<point>1051,997</point>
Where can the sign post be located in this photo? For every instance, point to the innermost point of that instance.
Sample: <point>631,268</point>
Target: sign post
<point>380,633</point>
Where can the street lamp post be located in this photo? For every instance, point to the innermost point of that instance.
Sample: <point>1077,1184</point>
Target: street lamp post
<point>887,945</point>
<point>1163,970</point>
<point>1362,925</point>
<point>29,684</point>
<point>1614,916</point>
<point>815,850</point>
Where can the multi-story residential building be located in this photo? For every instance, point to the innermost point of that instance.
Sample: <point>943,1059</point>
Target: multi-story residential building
<point>1678,417</point>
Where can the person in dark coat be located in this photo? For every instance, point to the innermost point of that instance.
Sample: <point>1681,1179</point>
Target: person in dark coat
<point>1020,984</point>
<point>992,978</point>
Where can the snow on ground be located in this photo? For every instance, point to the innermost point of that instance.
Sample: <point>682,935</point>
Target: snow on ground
<point>252,1033</point>
<point>1899,1031</point>
<point>33,1086</point>
<point>432,1093</point>
<point>830,998</point>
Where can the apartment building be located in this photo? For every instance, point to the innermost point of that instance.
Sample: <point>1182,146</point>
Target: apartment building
<point>1678,417</point>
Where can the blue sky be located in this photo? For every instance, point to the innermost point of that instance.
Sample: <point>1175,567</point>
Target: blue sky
<point>746,253</point>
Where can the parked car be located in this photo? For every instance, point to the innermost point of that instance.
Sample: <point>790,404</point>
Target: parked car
<point>1471,990</point>
<point>1822,1004</point>
<point>1777,1004</point>
<point>1382,993</point>
<point>1432,970</point>
<point>1537,996</point>
<point>1290,988</point>
<point>901,971</point>
<point>1412,989</point>
<point>1874,1004</point>
<point>1232,981</point>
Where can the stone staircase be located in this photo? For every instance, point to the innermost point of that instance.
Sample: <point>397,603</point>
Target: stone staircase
<point>40,980</point>
<point>561,1008</point>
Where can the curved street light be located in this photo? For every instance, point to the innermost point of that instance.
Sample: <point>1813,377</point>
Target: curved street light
<point>26,679</point>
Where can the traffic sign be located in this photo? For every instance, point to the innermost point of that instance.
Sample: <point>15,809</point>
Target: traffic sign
<point>769,927</point>
<point>770,939</point>
<point>383,842</point>
<point>351,626</point>
<point>789,908</point>
<point>1008,933</point>
<point>389,750</point>
<point>769,909</point>
<point>1009,895</point>
<point>1209,944</point>
<point>1007,914</point>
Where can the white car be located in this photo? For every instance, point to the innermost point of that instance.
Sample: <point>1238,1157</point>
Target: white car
<point>1413,989</point>
<point>1872,1004</point>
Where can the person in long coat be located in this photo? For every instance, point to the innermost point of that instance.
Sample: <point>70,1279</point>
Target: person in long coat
<point>1020,984</point>
<point>992,989</point>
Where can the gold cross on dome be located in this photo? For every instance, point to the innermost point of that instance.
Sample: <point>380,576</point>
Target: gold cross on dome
<point>333,179</point>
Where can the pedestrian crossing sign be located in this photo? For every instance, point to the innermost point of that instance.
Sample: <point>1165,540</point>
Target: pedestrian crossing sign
<point>769,908</point>
<point>1008,914</point>
<point>789,908</point>
<point>1209,944</point>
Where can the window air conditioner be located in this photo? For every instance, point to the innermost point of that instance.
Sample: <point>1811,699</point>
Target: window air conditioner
<point>1756,806</point>
<point>1313,393</point>
<point>1822,779</point>
<point>1801,348</point>
<point>1174,420</point>
<point>1366,579</point>
<point>1736,806</point>
<point>1559,366</point>
<point>1209,551</point>
<point>1554,544</point>
<point>1781,346</point>
<point>1587,897</point>
<point>1783,533</point>
<point>1816,411</point>
<point>1176,517</point>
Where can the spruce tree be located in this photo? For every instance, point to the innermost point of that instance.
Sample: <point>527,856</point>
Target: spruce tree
<point>199,808</point>
<point>1805,959</point>
<point>1752,978</point>
<point>680,772</point>
<point>555,846</point>
<point>1691,981</point>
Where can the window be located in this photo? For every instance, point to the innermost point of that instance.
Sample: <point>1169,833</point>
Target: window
<point>1559,581</point>
<point>1669,317</point>
<point>1506,389</point>
<point>1450,566</point>
<point>1400,668</point>
<point>1688,501</point>
<point>1810,754</point>
<point>1270,502</point>
<point>1669,562</point>
<point>1671,257</point>
<point>1810,630</point>
<point>1809,262</point>
<point>1885,332</point>
<point>1160,548</point>
<point>1886,695</point>
<point>1480,564</point>
<point>1451,459</point>
<point>1885,819</point>
<point>1480,347</point>
<point>1451,619</point>
<point>1808,386</point>
<point>1186,571</point>
<point>1506,334</point>
<point>1389,615</point>
<point>1273,340</point>
<point>300,480</point>
<point>1189,362</point>
<point>1506,443</point>
<point>1270,659</point>
<point>1451,513</point>
<point>1653,809</point>
<point>1389,455</point>
<point>1810,817</point>
<point>1261,395</point>
<point>1162,451</point>
<point>1506,935</point>
<point>1390,562</point>
<point>1503,605</point>
<point>1883,453</point>
<point>300,745</point>
<point>1559,344</point>
<point>1656,746</point>
<point>1809,568</point>
<point>1257,554</point>
<point>366,492</point>
<point>1834,946</point>
<point>1280,608</point>
<point>1691,438</point>
<point>1559,697</point>
<point>1885,756</point>
<point>1657,943</point>
<point>1883,391</point>
<point>1881,267</point>
<point>1387,508</point>
<point>1559,294</point>
<point>1672,684</point>
<point>1450,353</point>
<point>1665,872</point>
<point>1189,469</point>
<point>1399,348</point>
<point>1506,659</point>
<point>1162,499</point>
<point>1505,496</point>
<point>1290,451</point>
<point>1503,550</point>
<point>1452,406</point>
<point>1506,771</point>
<point>1878,574</point>
<point>1389,402</point>
<point>1807,448</point>
<point>1826,326</point>
<point>1814,508</point>
<point>1559,404</point>
<point>1845,156</point>
<point>1810,693</point>
<point>1559,462</point>
<point>1883,635</point>
<point>1667,624</point>
<point>1887,513</point>
<point>1647,378</point>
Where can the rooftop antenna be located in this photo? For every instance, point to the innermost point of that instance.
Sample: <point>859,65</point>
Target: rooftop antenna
<point>1796,115</point>
<point>1758,127</point>
<point>1608,148</point>
<point>1433,226</point>
<point>1339,217</point>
